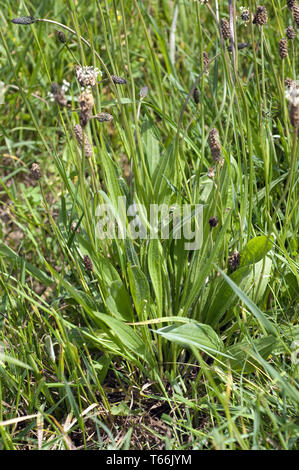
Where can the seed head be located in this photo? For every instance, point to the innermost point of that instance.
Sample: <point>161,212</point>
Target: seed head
<point>245,15</point>
<point>296,14</point>
<point>283,48</point>
<point>79,136</point>
<point>104,117</point>
<point>55,88</point>
<point>196,95</point>
<point>211,173</point>
<point>24,20</point>
<point>261,16</point>
<point>118,80</point>
<point>290,33</point>
<point>294,115</point>
<point>213,221</point>
<point>292,91</point>
<point>86,100</point>
<point>35,172</point>
<point>292,95</point>
<point>87,263</point>
<point>61,37</point>
<point>240,45</point>
<point>57,94</point>
<point>289,83</point>
<point>225,30</point>
<point>86,103</point>
<point>84,118</point>
<point>214,144</point>
<point>206,59</point>
<point>61,99</point>
<point>234,261</point>
<point>87,76</point>
<point>291,4</point>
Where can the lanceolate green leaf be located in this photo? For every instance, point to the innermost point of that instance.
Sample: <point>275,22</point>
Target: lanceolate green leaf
<point>12,360</point>
<point>127,336</point>
<point>139,288</point>
<point>266,324</point>
<point>252,280</point>
<point>261,272</point>
<point>119,302</point>
<point>193,334</point>
<point>255,250</point>
<point>155,269</point>
<point>151,146</point>
<point>164,167</point>
<point>111,176</point>
<point>243,353</point>
<point>224,297</point>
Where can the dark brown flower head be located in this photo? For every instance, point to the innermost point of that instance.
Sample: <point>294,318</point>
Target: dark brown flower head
<point>87,263</point>
<point>240,45</point>
<point>261,16</point>
<point>86,103</point>
<point>24,20</point>
<point>225,30</point>
<point>234,261</point>
<point>296,14</point>
<point>196,95</point>
<point>61,37</point>
<point>283,48</point>
<point>206,59</point>
<point>118,80</point>
<point>104,117</point>
<point>58,94</point>
<point>294,114</point>
<point>214,144</point>
<point>35,172</point>
<point>291,4</point>
<point>245,15</point>
<point>84,118</point>
<point>55,88</point>
<point>86,100</point>
<point>290,33</point>
<point>289,83</point>
<point>79,136</point>
<point>213,221</point>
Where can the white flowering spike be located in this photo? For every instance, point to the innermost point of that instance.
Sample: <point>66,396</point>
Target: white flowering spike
<point>65,86</point>
<point>87,76</point>
<point>50,96</point>
<point>292,94</point>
